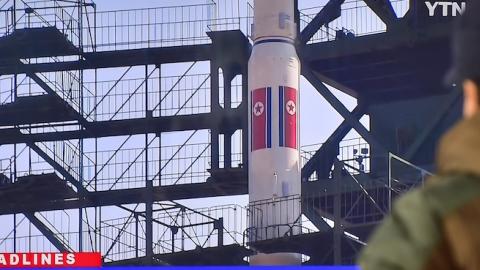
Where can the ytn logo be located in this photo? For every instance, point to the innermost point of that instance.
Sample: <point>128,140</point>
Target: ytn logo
<point>446,8</point>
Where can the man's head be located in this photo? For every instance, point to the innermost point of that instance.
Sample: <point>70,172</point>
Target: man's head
<point>466,57</point>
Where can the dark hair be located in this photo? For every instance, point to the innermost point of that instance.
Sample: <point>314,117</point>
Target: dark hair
<point>476,81</point>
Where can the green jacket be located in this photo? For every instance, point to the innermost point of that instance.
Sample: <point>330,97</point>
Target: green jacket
<point>436,226</point>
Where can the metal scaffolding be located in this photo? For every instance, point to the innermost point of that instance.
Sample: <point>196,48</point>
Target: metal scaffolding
<point>108,119</point>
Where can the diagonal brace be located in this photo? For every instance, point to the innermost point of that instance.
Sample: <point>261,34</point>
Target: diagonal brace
<point>383,9</point>
<point>80,188</point>
<point>322,161</point>
<point>47,232</point>
<point>440,114</point>
<point>338,106</point>
<point>52,92</point>
<point>331,11</point>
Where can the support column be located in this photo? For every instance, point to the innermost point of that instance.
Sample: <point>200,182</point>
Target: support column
<point>337,218</point>
<point>215,108</point>
<point>149,186</point>
<point>218,225</point>
<point>227,138</point>
<point>227,149</point>
<point>244,107</point>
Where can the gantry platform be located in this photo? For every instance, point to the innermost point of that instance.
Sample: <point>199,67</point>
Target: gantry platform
<point>390,66</point>
<point>36,188</point>
<point>46,41</point>
<point>36,109</point>
<point>311,244</point>
<point>37,201</point>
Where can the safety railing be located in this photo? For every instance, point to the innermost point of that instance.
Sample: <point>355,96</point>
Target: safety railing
<point>359,204</point>
<point>186,163</point>
<point>61,157</point>
<point>255,234</point>
<point>120,99</point>
<point>356,19</point>
<point>176,228</point>
<point>26,237</point>
<point>123,238</point>
<point>55,225</point>
<point>8,162</point>
<point>167,26</point>
<point>364,198</point>
<point>125,168</point>
<point>6,16</point>
<point>64,16</point>
<point>167,96</point>
<point>67,85</point>
<point>203,227</point>
<point>354,152</point>
<point>36,165</point>
<point>6,90</point>
<point>120,168</point>
<point>65,154</point>
<point>6,171</point>
<point>284,217</point>
<point>36,242</point>
<point>187,94</point>
<point>129,29</point>
<point>274,218</point>
<point>403,176</point>
<point>153,27</point>
<point>26,87</point>
<point>177,25</point>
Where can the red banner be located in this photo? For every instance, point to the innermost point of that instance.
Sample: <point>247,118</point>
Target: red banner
<point>17,260</point>
<point>288,117</point>
<point>261,118</point>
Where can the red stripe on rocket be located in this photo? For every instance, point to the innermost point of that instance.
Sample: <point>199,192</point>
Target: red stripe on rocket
<point>290,116</point>
<point>259,119</point>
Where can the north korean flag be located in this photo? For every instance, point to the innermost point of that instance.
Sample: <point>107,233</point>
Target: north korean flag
<point>288,117</point>
<point>261,118</point>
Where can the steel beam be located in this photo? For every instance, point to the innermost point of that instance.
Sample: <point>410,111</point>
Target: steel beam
<point>440,114</point>
<point>232,121</point>
<point>52,92</point>
<point>337,213</point>
<point>315,217</point>
<point>47,233</point>
<point>129,196</point>
<point>324,158</point>
<point>329,12</point>
<point>58,167</point>
<point>383,9</point>
<point>120,58</point>
<point>338,106</point>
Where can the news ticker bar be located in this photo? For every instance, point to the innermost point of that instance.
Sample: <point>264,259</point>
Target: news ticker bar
<point>93,260</point>
<point>206,268</point>
<point>30,260</point>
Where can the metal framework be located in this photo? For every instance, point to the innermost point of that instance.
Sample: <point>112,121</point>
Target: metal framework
<point>109,118</point>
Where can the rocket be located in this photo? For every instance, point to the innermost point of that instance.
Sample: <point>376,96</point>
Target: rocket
<point>274,156</point>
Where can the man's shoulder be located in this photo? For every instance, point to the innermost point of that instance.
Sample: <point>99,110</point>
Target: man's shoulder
<point>446,193</point>
<point>414,228</point>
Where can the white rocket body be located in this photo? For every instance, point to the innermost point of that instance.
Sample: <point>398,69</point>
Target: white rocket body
<point>274,168</point>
